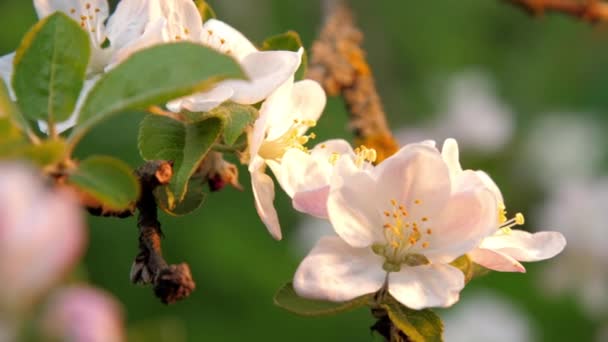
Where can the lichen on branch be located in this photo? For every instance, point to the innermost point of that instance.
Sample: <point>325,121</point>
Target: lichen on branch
<point>587,10</point>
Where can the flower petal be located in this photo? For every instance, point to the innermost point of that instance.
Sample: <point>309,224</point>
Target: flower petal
<point>462,225</point>
<point>337,272</point>
<point>417,178</point>
<point>451,156</point>
<point>202,102</point>
<point>266,71</point>
<point>495,260</point>
<point>216,31</point>
<point>184,21</point>
<point>6,72</point>
<point>420,287</point>
<point>275,114</point>
<point>312,202</point>
<point>263,193</point>
<point>524,246</point>
<point>153,34</point>
<point>351,205</point>
<point>128,22</point>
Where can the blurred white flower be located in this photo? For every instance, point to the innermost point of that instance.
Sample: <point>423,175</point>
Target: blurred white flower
<point>401,223</point>
<point>83,314</point>
<point>307,232</point>
<point>485,316</point>
<point>564,146</point>
<point>579,209</point>
<point>472,114</point>
<point>42,236</point>
<point>285,116</point>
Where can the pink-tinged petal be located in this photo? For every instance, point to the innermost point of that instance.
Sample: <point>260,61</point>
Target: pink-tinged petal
<point>491,185</point>
<point>6,72</point>
<point>351,205</point>
<point>83,314</point>
<point>216,34</point>
<point>525,246</point>
<point>35,250</point>
<point>427,286</point>
<point>263,193</point>
<point>417,178</point>
<point>495,260</point>
<point>325,149</point>
<point>312,202</point>
<point>462,225</point>
<point>337,272</point>
<point>202,102</point>
<point>309,100</point>
<point>266,71</point>
<point>300,171</point>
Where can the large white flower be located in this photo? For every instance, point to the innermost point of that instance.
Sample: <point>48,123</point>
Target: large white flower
<point>266,70</point>
<point>504,250</point>
<point>284,118</point>
<point>401,223</point>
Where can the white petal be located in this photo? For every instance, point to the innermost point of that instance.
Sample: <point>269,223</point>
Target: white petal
<point>263,192</point>
<point>184,21</point>
<point>266,71</point>
<point>325,149</point>
<point>309,100</point>
<point>496,261</point>
<point>491,185</point>
<point>524,246</point>
<point>426,286</point>
<point>6,72</point>
<point>450,155</point>
<point>202,102</point>
<point>351,205</point>
<point>276,112</point>
<point>462,225</point>
<point>301,171</point>
<point>128,22</point>
<point>312,202</point>
<point>239,46</point>
<point>337,272</point>
<point>153,34</point>
<point>417,178</point>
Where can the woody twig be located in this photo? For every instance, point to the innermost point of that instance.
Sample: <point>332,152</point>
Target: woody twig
<point>586,10</point>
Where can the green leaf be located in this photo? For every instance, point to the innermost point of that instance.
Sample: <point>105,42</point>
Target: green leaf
<point>418,325</point>
<point>194,198</point>
<point>50,67</point>
<point>289,41</point>
<point>236,118</point>
<point>287,299</point>
<point>185,143</point>
<point>154,76</point>
<point>204,9</point>
<point>108,180</point>
<point>48,152</point>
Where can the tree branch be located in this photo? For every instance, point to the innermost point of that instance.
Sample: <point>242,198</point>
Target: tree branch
<point>338,63</point>
<point>586,10</point>
<point>171,282</point>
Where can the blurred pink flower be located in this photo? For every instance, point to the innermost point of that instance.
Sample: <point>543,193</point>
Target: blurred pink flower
<point>83,314</point>
<point>42,236</point>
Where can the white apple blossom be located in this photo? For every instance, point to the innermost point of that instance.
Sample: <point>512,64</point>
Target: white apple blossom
<point>266,70</point>
<point>400,223</point>
<point>579,208</point>
<point>487,316</point>
<point>504,250</point>
<point>284,118</point>
<point>42,236</point>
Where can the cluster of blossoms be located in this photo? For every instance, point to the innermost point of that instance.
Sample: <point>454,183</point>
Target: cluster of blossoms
<point>398,223</point>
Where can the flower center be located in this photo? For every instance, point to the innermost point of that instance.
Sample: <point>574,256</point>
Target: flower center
<point>292,138</point>
<point>506,224</point>
<point>89,21</point>
<point>404,237</point>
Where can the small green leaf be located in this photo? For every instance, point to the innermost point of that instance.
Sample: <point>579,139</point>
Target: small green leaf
<point>289,41</point>
<point>236,118</point>
<point>417,325</point>
<point>204,9</point>
<point>464,264</point>
<point>154,76</point>
<point>194,198</point>
<point>48,152</point>
<point>185,143</point>
<point>288,299</point>
<point>108,180</point>
<point>50,67</point>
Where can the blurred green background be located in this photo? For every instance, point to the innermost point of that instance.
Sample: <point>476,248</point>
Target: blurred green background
<point>537,65</point>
